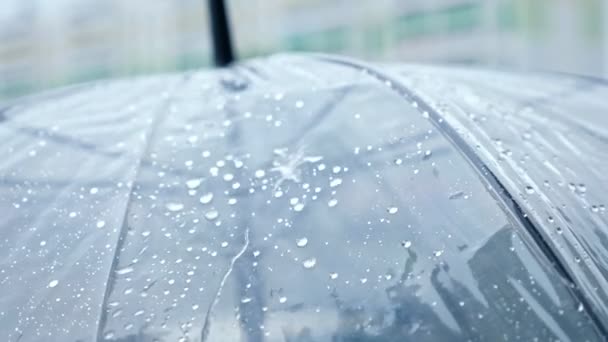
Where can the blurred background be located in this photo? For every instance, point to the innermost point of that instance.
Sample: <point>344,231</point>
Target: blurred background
<point>51,43</point>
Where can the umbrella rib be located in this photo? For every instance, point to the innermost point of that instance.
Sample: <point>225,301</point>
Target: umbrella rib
<point>109,284</point>
<point>321,115</point>
<point>505,200</point>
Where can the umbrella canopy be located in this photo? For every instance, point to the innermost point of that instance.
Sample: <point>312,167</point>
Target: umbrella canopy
<point>307,198</point>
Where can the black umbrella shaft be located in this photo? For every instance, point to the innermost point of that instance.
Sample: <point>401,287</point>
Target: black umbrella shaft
<point>222,45</point>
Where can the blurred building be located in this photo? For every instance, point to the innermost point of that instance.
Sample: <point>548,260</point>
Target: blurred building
<point>560,35</point>
<point>50,43</point>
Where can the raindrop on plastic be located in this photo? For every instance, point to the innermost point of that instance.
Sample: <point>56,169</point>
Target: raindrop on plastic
<point>174,206</point>
<point>206,198</point>
<point>302,242</point>
<point>309,263</point>
<point>212,215</point>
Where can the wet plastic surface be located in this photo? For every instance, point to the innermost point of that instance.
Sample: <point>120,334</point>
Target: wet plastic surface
<point>288,199</point>
<point>545,137</point>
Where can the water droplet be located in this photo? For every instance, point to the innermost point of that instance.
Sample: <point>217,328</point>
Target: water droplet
<point>298,207</point>
<point>53,283</point>
<point>582,188</point>
<point>336,169</point>
<point>333,276</point>
<point>332,202</point>
<point>456,195</point>
<point>206,198</point>
<point>101,224</point>
<point>260,173</point>
<point>72,214</point>
<point>427,155</point>
<point>109,335</point>
<point>228,177</point>
<point>282,300</point>
<point>193,183</point>
<point>529,190</point>
<point>406,243</point>
<point>438,253</point>
<point>335,182</point>
<point>398,161</point>
<point>42,243</point>
<point>309,263</point>
<point>124,270</point>
<point>173,206</point>
<point>559,230</point>
<point>302,242</point>
<point>392,210</point>
<point>212,215</point>
<point>93,191</point>
<point>299,104</point>
<point>246,300</point>
<point>224,244</point>
<point>363,280</point>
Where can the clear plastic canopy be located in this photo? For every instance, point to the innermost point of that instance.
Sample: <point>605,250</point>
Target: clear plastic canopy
<point>306,198</point>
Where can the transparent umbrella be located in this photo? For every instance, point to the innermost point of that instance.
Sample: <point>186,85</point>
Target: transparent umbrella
<point>307,198</point>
